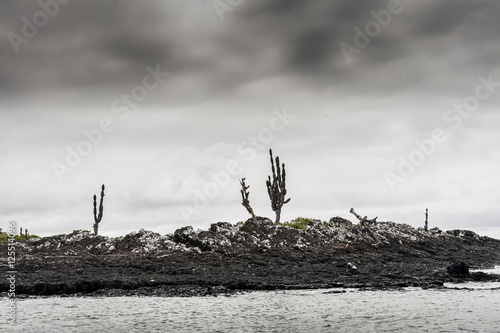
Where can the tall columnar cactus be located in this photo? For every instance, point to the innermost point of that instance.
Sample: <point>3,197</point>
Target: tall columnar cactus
<point>244,197</point>
<point>276,187</point>
<point>98,218</point>
<point>426,227</point>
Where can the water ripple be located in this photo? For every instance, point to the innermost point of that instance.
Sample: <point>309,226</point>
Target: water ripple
<point>410,310</point>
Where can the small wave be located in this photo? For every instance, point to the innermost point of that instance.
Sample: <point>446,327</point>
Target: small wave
<point>474,285</point>
<point>495,270</point>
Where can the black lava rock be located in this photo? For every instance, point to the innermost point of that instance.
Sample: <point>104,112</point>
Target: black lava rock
<point>458,270</point>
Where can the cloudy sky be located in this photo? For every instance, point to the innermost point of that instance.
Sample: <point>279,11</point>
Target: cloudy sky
<point>385,106</point>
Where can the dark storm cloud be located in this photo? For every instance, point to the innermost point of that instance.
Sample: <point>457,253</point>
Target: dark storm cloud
<point>442,17</point>
<point>310,50</point>
<point>91,44</point>
<point>274,8</point>
<point>93,49</point>
<point>96,46</point>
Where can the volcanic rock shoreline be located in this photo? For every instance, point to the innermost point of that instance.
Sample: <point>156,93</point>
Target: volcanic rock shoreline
<point>255,255</point>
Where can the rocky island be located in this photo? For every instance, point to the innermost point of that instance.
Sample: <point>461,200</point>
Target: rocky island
<point>254,255</point>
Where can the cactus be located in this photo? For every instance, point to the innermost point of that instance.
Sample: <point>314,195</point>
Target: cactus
<point>276,188</point>
<point>98,218</point>
<point>21,231</point>
<point>363,220</point>
<point>364,225</point>
<point>244,197</point>
<point>426,227</point>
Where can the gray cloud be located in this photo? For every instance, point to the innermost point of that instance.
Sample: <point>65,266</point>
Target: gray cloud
<point>101,45</point>
<point>353,120</point>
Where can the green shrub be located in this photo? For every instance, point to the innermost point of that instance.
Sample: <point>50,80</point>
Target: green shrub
<point>4,237</point>
<point>298,223</point>
<point>25,237</point>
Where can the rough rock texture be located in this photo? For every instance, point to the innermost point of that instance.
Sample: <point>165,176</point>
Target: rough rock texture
<point>458,270</point>
<point>251,256</point>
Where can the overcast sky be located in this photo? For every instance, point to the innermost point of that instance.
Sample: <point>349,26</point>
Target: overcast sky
<point>385,106</point>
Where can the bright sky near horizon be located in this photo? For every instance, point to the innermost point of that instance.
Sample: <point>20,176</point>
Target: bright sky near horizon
<point>390,107</point>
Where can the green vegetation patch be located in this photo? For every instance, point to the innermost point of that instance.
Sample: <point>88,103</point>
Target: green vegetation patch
<point>4,237</point>
<point>298,223</point>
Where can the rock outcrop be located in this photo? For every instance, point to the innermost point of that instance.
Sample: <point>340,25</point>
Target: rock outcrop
<point>254,235</point>
<point>459,270</point>
<point>254,255</point>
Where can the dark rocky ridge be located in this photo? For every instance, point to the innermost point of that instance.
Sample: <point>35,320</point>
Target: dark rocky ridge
<point>253,256</point>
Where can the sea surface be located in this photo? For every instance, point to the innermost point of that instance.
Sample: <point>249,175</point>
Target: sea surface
<point>471,307</point>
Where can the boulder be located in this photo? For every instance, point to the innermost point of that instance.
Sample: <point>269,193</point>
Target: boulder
<point>458,270</point>
<point>187,236</point>
<point>436,230</point>
<point>315,224</point>
<point>183,234</point>
<point>463,233</point>
<point>339,221</point>
<point>482,276</point>
<point>221,226</point>
<point>352,268</point>
<point>261,224</point>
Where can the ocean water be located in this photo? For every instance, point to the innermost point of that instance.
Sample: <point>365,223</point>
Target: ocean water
<point>473,307</point>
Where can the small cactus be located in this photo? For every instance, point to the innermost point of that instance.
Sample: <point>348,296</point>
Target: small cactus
<point>426,227</point>
<point>276,187</point>
<point>244,197</point>
<point>98,218</point>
